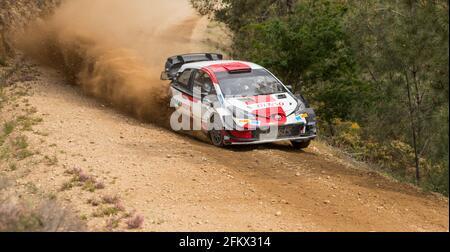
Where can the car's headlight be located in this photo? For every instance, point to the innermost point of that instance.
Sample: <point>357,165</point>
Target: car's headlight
<point>242,114</point>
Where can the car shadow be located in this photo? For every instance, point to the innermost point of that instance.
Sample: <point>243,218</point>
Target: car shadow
<point>284,146</point>
<point>281,146</point>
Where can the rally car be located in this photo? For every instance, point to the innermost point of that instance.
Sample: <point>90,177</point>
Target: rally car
<point>236,102</point>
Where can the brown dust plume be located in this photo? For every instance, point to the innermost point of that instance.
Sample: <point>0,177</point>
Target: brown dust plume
<point>115,49</point>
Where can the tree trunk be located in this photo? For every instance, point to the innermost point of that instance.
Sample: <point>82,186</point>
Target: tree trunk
<point>290,5</point>
<point>413,128</point>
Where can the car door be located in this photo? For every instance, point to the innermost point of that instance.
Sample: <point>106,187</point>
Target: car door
<point>182,93</point>
<point>203,89</point>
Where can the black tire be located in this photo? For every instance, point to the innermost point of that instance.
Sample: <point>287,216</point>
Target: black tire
<point>217,134</point>
<point>300,145</point>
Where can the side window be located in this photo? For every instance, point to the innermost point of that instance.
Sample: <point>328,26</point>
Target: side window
<point>202,81</point>
<point>183,79</point>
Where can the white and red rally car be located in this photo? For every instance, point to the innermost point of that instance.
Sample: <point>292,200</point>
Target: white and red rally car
<point>236,102</point>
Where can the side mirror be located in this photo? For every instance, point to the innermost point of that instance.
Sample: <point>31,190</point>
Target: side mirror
<point>207,88</point>
<point>302,99</point>
<point>165,76</point>
<point>290,88</point>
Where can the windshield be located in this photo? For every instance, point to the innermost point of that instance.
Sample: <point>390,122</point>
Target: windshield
<point>257,82</point>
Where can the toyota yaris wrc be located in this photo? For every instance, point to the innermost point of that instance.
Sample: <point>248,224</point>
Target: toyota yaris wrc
<point>236,102</point>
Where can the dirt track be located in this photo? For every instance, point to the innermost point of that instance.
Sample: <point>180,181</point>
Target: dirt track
<point>182,184</point>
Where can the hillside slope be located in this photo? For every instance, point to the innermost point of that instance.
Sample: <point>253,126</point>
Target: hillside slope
<point>112,168</point>
<point>182,184</point>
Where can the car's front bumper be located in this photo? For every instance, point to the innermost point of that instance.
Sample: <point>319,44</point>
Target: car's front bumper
<point>302,138</point>
<point>293,132</point>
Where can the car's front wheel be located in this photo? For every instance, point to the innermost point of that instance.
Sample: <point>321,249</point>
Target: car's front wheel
<point>217,133</point>
<point>301,144</point>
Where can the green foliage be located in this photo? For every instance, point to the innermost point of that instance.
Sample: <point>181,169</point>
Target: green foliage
<point>239,13</point>
<point>107,211</point>
<point>402,48</point>
<point>27,122</point>
<point>309,49</point>
<point>308,45</point>
<point>393,155</point>
<point>2,95</point>
<point>438,177</point>
<point>382,64</point>
<point>8,128</point>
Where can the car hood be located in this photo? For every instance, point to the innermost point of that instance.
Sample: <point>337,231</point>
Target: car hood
<point>283,103</point>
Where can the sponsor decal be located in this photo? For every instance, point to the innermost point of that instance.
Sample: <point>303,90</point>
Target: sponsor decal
<point>301,117</point>
<point>266,105</point>
<point>255,123</point>
<point>250,122</point>
<point>259,99</point>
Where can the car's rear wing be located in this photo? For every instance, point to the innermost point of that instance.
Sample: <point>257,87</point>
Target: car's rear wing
<point>174,63</point>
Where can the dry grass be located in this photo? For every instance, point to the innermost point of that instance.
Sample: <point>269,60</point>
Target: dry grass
<point>27,122</point>
<point>48,216</point>
<point>8,128</point>
<point>25,209</point>
<point>106,211</point>
<point>113,223</point>
<point>51,161</point>
<point>108,199</point>
<point>136,221</point>
<point>3,97</point>
<point>16,147</point>
<point>82,179</point>
<point>33,213</point>
<point>4,183</point>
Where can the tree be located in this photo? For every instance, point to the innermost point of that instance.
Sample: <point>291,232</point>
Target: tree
<point>309,49</point>
<point>239,13</point>
<point>405,44</point>
<point>303,42</point>
<point>380,63</point>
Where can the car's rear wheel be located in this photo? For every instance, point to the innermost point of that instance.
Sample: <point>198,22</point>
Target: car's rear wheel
<point>217,133</point>
<point>301,144</point>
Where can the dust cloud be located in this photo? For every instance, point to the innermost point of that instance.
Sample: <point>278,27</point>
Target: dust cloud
<point>115,49</point>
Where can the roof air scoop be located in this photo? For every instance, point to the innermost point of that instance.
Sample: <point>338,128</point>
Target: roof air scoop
<point>237,67</point>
